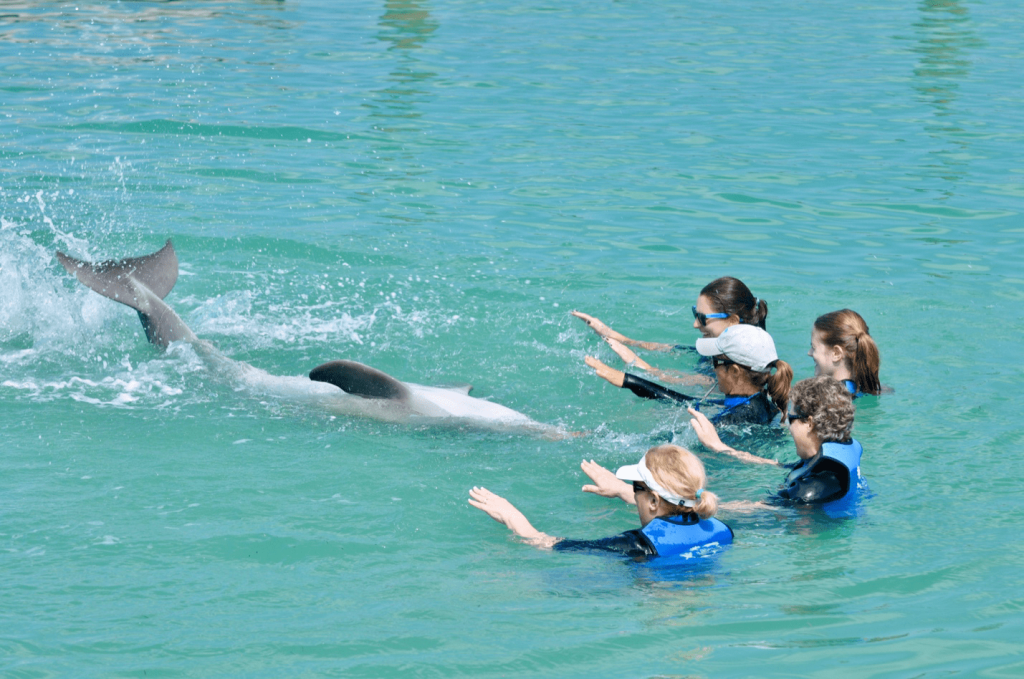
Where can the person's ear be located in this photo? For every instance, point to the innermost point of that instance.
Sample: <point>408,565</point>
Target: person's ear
<point>838,354</point>
<point>653,500</point>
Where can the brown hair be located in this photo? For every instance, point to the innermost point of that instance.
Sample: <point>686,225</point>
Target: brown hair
<point>778,383</point>
<point>682,472</point>
<point>829,405</point>
<point>846,329</point>
<point>729,295</point>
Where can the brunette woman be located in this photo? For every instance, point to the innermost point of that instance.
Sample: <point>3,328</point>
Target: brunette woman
<point>842,349</point>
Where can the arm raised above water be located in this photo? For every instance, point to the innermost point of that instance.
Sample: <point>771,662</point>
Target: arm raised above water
<point>502,511</point>
<point>604,331</point>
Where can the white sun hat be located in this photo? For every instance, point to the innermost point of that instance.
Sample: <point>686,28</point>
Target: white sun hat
<point>640,472</point>
<point>747,345</point>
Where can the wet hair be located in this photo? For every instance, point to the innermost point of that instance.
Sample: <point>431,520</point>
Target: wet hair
<point>777,383</point>
<point>846,329</point>
<point>729,295</point>
<point>682,472</point>
<point>829,406</point>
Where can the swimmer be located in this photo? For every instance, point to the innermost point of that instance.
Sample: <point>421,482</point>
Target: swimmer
<point>743,357</point>
<point>676,511</point>
<point>842,349</point>
<point>828,472</point>
<point>722,302</point>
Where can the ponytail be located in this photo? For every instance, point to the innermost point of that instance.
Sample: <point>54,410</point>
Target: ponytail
<point>760,314</point>
<point>846,329</point>
<point>707,504</point>
<point>778,386</point>
<point>865,365</point>
<point>682,472</point>
<point>778,383</point>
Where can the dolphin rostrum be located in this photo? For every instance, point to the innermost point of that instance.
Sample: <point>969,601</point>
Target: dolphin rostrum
<point>344,387</point>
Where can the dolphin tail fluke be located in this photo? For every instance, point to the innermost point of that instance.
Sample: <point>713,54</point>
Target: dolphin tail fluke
<point>141,283</point>
<point>158,272</point>
<point>360,380</point>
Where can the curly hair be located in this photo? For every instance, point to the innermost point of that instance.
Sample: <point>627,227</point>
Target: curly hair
<point>682,472</point>
<point>828,404</point>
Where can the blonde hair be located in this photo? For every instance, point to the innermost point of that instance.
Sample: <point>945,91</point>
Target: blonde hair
<point>682,472</point>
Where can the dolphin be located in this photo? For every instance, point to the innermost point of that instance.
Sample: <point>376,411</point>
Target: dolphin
<point>343,387</point>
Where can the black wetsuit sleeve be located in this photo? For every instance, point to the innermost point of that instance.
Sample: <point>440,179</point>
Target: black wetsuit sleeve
<point>646,389</point>
<point>631,543</point>
<point>827,482</point>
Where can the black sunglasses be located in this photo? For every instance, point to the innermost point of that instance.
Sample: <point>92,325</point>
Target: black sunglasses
<point>794,417</point>
<point>703,318</point>
<point>715,361</point>
<point>639,487</point>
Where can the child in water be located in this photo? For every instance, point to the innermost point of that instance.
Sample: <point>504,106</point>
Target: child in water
<point>820,422</point>
<point>676,512</point>
<point>842,348</point>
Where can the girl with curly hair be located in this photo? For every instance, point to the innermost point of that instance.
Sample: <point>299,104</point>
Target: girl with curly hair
<point>820,422</point>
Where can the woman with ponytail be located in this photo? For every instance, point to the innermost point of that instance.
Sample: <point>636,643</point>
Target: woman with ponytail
<point>676,510</point>
<point>843,350</point>
<point>744,359</point>
<point>722,303</point>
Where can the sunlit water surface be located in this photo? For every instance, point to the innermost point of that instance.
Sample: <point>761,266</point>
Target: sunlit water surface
<point>429,187</point>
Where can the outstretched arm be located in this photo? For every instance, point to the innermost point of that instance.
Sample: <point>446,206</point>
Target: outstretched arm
<point>630,358</point>
<point>502,511</point>
<point>605,483</point>
<point>708,435</point>
<point>606,332</point>
<point>615,377</point>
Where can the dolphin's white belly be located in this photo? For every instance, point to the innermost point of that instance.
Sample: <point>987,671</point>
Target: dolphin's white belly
<point>440,402</point>
<point>424,402</point>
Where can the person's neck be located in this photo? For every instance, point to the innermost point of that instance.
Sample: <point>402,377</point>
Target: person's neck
<point>842,373</point>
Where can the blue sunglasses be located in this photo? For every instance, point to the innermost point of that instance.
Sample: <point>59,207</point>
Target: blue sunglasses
<point>703,318</point>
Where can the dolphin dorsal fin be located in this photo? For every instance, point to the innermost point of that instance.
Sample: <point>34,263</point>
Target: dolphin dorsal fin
<point>359,380</point>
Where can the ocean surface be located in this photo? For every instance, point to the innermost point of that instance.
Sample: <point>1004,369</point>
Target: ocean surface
<point>430,187</point>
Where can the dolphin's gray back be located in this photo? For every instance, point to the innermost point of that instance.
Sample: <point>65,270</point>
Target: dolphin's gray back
<point>141,283</point>
<point>360,380</point>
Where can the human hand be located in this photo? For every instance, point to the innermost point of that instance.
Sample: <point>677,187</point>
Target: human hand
<point>496,507</point>
<point>615,377</point>
<point>502,511</point>
<point>595,325</point>
<point>605,483</point>
<point>706,432</point>
<point>627,355</point>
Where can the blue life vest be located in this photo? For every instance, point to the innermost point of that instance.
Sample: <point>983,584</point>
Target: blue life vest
<point>851,387</point>
<point>731,403</point>
<point>848,455</point>
<point>679,538</point>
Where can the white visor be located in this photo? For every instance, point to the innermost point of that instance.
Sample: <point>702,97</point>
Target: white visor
<point>640,472</point>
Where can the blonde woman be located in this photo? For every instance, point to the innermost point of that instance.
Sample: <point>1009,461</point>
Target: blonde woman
<point>676,510</point>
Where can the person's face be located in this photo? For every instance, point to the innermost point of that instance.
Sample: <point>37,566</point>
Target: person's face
<point>807,443</point>
<point>646,502</point>
<point>727,373</point>
<point>714,326</point>
<point>826,359</point>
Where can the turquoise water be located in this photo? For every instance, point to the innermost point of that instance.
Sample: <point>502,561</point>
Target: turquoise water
<point>430,188</point>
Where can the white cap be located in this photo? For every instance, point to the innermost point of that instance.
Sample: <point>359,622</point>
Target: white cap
<point>747,345</point>
<point>640,472</point>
